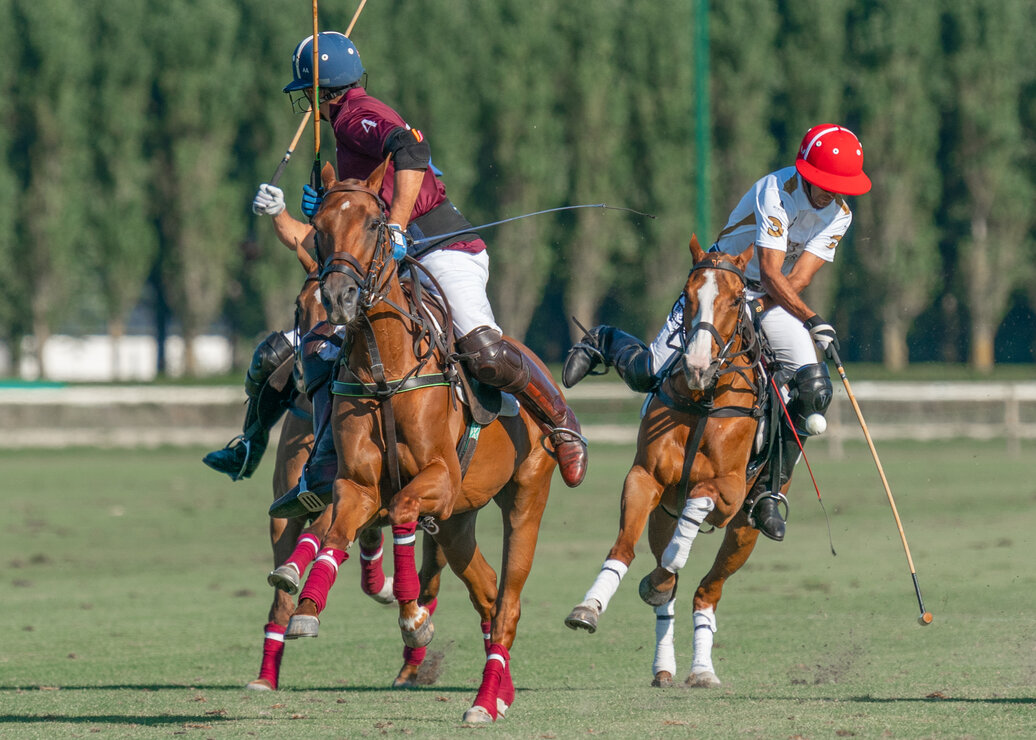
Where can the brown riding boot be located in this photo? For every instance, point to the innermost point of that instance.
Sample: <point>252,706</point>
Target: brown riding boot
<point>500,363</point>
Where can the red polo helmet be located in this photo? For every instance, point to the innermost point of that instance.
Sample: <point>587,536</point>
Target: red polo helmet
<point>831,158</point>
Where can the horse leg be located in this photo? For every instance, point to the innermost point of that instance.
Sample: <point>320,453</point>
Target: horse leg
<point>522,514</point>
<point>353,509</point>
<point>433,560</point>
<point>661,526</point>
<point>738,542</point>
<point>288,575</point>
<point>640,494</point>
<point>372,578</point>
<point>430,491</point>
<point>292,450</point>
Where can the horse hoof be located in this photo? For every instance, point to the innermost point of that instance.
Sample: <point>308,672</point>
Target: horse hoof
<point>584,617</point>
<point>302,625</point>
<point>651,595</point>
<point>384,596</point>
<point>285,578</point>
<point>417,635</point>
<point>477,716</point>
<point>702,680</point>
<point>260,684</point>
<point>407,678</point>
<point>663,680</point>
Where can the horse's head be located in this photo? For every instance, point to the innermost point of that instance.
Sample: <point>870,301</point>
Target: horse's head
<point>352,245</point>
<point>713,310</point>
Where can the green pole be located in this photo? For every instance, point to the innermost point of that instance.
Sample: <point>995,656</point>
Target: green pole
<point>702,130</point>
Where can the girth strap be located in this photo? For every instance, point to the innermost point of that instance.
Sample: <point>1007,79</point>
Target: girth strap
<point>391,387</point>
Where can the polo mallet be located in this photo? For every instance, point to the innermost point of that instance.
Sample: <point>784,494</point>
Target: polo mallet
<point>925,617</point>
<point>314,176</point>
<point>305,119</point>
<point>291,149</point>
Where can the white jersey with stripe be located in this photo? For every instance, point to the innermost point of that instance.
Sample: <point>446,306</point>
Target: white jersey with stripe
<point>776,214</point>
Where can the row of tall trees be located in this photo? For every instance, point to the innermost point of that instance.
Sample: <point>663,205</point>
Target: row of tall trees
<point>136,133</point>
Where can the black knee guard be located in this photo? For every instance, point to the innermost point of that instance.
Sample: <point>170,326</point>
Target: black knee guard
<point>810,391</point>
<point>269,383</point>
<point>494,361</point>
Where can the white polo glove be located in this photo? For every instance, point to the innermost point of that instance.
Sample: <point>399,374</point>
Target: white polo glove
<point>268,201</point>
<point>823,335</point>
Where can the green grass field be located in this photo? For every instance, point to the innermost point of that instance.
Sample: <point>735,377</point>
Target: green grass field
<point>135,597</point>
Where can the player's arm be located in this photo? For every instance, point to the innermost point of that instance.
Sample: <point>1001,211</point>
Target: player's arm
<point>411,155</point>
<point>783,290</point>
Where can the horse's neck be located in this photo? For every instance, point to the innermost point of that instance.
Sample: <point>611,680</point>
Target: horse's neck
<point>393,333</point>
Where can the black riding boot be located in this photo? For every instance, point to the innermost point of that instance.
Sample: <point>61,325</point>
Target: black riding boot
<point>764,500</point>
<point>500,363</point>
<point>270,387</point>
<point>315,488</point>
<point>614,348</point>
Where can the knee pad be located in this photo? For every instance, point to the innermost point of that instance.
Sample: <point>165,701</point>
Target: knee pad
<point>269,357</point>
<point>493,360</point>
<point>810,392</point>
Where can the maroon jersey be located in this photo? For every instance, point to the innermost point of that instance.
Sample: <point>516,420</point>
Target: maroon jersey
<point>362,124</point>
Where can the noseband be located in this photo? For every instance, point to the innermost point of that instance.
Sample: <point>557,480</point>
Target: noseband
<point>373,280</point>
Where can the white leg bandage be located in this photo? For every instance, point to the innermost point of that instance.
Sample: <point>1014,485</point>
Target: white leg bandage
<point>704,628</point>
<point>694,512</point>
<point>665,653</point>
<point>607,582</point>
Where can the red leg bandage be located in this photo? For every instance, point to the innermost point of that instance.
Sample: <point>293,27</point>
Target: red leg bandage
<point>372,576</point>
<point>492,677</point>
<point>405,584</point>
<point>273,651</point>
<point>322,576</point>
<point>306,548</point>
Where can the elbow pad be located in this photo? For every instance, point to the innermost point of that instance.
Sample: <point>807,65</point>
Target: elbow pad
<point>408,148</point>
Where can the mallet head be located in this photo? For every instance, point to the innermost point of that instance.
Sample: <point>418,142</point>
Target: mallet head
<point>925,619</point>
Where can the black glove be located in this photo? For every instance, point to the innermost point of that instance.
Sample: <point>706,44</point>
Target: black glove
<point>823,334</point>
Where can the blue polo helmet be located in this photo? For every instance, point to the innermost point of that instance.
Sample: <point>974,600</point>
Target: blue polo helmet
<point>339,64</point>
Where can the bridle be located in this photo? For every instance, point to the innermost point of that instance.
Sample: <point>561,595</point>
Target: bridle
<point>743,342</point>
<point>372,281</point>
<point>744,329</point>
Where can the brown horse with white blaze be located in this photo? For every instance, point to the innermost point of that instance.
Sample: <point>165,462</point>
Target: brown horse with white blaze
<point>397,426</point>
<point>692,454</point>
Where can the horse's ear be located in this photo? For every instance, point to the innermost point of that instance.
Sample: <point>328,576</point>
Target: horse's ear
<point>697,253</point>
<point>308,263</point>
<point>374,181</point>
<point>742,259</point>
<point>327,175</point>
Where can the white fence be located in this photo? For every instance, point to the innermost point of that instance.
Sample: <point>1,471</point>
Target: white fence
<point>154,415</point>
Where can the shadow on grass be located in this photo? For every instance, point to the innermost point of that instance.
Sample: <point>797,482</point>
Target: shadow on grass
<point>230,687</point>
<point>116,719</point>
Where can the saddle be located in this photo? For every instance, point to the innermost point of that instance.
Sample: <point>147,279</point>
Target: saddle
<point>485,403</point>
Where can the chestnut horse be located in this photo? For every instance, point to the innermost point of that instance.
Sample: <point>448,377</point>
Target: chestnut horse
<point>397,425</point>
<point>690,467</point>
<point>297,540</point>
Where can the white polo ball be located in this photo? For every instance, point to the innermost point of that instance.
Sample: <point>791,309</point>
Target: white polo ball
<point>815,424</point>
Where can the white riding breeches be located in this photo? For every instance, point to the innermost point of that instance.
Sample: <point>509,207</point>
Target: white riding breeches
<point>788,338</point>
<point>462,277</point>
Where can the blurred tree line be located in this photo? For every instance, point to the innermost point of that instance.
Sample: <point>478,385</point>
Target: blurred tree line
<point>134,136</point>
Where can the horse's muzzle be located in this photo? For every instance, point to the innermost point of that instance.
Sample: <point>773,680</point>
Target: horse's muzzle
<point>700,378</point>
<point>341,297</point>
